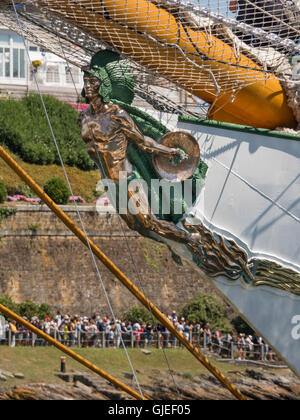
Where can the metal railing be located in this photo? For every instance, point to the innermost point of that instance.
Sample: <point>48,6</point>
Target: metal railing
<point>227,349</point>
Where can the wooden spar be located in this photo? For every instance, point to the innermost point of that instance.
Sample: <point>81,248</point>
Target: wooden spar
<point>120,276</point>
<point>70,353</point>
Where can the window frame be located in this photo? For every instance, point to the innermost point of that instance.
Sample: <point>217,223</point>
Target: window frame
<point>8,68</point>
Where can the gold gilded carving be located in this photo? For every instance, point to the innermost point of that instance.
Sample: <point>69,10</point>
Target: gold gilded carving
<point>107,131</point>
<point>269,273</point>
<point>220,257</point>
<point>171,170</point>
<point>223,257</point>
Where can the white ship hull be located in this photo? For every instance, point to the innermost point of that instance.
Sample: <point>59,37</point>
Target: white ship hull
<point>252,196</point>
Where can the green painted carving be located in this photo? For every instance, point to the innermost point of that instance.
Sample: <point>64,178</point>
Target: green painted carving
<point>121,140</point>
<point>118,87</point>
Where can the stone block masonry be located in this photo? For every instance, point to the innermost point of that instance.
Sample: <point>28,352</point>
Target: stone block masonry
<point>42,261</point>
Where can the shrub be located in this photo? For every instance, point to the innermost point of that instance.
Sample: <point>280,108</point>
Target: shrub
<point>241,326</point>
<point>206,308</point>
<point>34,227</point>
<point>24,130</point>
<point>3,192</point>
<point>6,212</point>
<point>27,191</point>
<point>7,301</point>
<point>57,190</point>
<point>20,189</point>
<point>30,309</point>
<point>26,309</point>
<point>15,189</point>
<point>137,312</point>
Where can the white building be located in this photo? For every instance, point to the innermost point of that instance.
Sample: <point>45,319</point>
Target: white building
<point>57,78</point>
<point>53,73</point>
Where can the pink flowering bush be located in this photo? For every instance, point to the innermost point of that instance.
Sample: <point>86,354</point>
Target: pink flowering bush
<point>77,198</point>
<point>102,201</point>
<point>19,197</point>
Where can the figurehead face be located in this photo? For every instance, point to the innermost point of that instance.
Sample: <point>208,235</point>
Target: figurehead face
<point>91,86</point>
<point>96,84</point>
<point>115,80</point>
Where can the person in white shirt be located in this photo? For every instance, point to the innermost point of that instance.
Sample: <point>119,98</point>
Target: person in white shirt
<point>118,333</point>
<point>107,332</point>
<point>249,346</point>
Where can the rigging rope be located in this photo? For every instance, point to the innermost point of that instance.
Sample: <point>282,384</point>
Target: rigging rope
<point>119,275</point>
<point>69,352</point>
<point>77,209</point>
<point>86,48</point>
<point>128,247</point>
<point>139,279</point>
<point>146,303</point>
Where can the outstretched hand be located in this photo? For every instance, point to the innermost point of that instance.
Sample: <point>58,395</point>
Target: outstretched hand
<point>177,155</point>
<point>173,152</point>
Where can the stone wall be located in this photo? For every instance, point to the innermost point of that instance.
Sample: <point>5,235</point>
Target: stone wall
<point>43,262</point>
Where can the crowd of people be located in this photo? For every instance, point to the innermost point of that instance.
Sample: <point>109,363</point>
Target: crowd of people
<point>96,331</point>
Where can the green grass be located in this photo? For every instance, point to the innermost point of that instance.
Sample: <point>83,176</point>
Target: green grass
<point>83,183</point>
<point>38,364</point>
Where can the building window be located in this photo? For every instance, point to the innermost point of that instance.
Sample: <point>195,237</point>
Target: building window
<point>72,75</point>
<point>16,62</point>
<point>22,64</point>
<point>12,63</point>
<point>7,62</point>
<point>52,74</point>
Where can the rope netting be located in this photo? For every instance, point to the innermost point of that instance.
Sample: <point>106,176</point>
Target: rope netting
<point>211,48</point>
<point>77,47</point>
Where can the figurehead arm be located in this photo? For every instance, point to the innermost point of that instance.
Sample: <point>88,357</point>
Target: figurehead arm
<point>146,144</point>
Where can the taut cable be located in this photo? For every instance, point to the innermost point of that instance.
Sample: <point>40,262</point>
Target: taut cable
<point>119,275</point>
